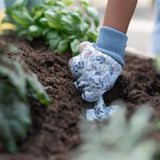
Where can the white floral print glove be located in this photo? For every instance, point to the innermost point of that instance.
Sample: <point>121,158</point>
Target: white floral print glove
<point>99,64</point>
<point>94,72</point>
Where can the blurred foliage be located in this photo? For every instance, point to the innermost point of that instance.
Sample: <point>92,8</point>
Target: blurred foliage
<point>157,124</point>
<point>17,88</point>
<point>157,64</point>
<point>3,25</point>
<point>11,48</point>
<point>63,27</point>
<point>119,139</point>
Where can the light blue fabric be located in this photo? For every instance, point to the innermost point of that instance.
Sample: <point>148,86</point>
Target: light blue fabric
<point>95,72</point>
<point>112,43</point>
<point>155,39</point>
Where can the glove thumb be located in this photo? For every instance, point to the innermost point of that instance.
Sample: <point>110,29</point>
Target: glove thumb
<point>83,45</point>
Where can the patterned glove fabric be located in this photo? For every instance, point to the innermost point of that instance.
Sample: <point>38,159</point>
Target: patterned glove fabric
<point>94,72</point>
<point>101,111</point>
<point>98,65</point>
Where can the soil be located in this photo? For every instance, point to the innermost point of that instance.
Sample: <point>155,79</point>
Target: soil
<point>55,129</point>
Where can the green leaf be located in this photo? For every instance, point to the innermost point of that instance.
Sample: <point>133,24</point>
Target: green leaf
<point>38,8</point>
<point>52,35</point>
<point>71,38</point>
<point>12,127</point>
<point>34,31</point>
<point>22,33</point>
<point>75,47</point>
<point>19,119</point>
<point>37,89</point>
<point>24,9</point>
<point>13,72</point>
<point>62,12</point>
<point>12,48</point>
<point>53,19</point>
<point>11,146</point>
<point>45,31</point>
<point>43,21</point>
<point>5,133</point>
<point>53,43</point>
<point>38,14</point>
<point>62,46</point>
<point>84,28</point>
<point>19,4</point>
<point>67,2</point>
<point>157,64</point>
<point>59,4</point>
<point>66,23</point>
<point>93,13</point>
<point>87,21</point>
<point>30,37</point>
<point>75,15</point>
<point>48,2</point>
<point>92,34</point>
<point>38,2</point>
<point>85,3</point>
<point>22,18</point>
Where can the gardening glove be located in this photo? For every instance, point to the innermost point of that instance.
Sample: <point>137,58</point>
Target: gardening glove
<point>101,111</point>
<point>155,39</point>
<point>99,64</point>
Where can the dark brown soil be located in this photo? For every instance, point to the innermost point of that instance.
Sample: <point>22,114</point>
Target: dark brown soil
<point>55,129</point>
<point>138,84</point>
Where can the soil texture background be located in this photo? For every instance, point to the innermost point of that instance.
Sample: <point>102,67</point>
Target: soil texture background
<point>55,129</point>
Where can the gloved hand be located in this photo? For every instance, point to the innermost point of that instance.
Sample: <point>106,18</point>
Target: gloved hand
<point>98,65</point>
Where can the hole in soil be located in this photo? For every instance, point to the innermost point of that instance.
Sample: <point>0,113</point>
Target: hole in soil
<point>49,64</point>
<point>155,86</point>
<point>38,43</point>
<point>141,79</point>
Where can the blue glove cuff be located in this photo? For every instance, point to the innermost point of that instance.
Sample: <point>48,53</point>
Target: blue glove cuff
<point>112,43</point>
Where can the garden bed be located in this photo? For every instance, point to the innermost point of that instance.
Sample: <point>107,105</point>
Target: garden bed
<point>55,129</point>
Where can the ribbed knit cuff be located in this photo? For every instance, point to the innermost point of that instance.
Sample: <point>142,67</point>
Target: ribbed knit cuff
<point>111,42</point>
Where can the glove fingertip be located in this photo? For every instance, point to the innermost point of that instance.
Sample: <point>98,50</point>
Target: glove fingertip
<point>89,99</point>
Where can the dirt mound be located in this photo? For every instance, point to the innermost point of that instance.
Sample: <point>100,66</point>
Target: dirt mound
<point>138,84</point>
<point>55,129</point>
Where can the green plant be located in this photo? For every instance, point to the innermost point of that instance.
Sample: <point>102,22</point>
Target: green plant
<point>119,139</point>
<point>17,88</point>
<point>156,64</point>
<point>62,27</point>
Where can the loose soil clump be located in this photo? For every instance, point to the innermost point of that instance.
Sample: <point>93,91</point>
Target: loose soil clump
<point>55,129</point>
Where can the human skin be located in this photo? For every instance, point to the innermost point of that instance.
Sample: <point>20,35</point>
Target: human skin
<point>119,13</point>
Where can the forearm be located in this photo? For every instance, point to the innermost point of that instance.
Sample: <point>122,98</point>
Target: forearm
<point>118,14</point>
